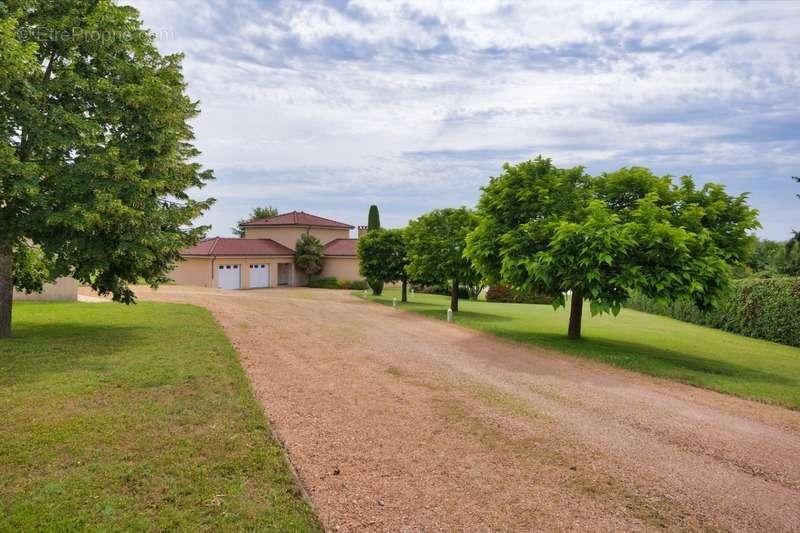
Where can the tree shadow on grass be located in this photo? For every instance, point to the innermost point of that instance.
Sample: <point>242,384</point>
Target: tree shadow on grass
<point>35,350</point>
<point>468,316</point>
<point>654,360</point>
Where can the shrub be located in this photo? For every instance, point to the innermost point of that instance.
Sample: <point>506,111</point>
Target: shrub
<point>358,285</point>
<point>343,283</point>
<point>323,283</point>
<point>444,290</point>
<point>502,293</point>
<point>760,308</point>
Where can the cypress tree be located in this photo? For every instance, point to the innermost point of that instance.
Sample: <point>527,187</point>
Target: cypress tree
<point>373,219</point>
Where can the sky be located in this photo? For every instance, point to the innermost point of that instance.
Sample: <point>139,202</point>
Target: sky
<point>328,107</point>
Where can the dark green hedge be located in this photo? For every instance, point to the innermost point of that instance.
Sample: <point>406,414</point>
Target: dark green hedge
<point>761,308</point>
<point>333,283</point>
<point>501,293</point>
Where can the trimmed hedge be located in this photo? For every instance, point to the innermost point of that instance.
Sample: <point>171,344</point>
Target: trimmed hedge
<point>443,290</point>
<point>502,293</point>
<point>333,283</point>
<point>760,308</point>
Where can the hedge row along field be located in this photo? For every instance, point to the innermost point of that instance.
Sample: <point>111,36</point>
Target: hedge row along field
<point>759,308</point>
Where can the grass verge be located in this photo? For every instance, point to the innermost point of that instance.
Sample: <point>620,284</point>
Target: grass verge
<point>135,418</point>
<point>659,346</point>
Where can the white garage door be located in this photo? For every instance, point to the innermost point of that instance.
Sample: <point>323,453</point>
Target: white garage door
<point>229,277</point>
<point>259,276</point>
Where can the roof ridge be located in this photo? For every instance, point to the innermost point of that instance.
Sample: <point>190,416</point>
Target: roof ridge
<point>211,250</point>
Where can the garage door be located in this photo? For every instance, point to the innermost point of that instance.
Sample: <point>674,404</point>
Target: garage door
<point>259,276</point>
<point>229,277</point>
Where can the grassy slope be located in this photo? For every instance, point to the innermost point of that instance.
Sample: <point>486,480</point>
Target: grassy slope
<point>651,344</point>
<point>134,418</point>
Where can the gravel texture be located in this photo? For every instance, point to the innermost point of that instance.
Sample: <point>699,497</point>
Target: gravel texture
<point>403,423</point>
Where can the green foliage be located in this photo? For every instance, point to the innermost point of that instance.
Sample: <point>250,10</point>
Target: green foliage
<point>550,230</point>
<point>501,293</point>
<point>308,255</point>
<point>760,308</point>
<point>31,269</point>
<point>148,415</point>
<point>772,258</point>
<point>324,283</point>
<point>382,255</point>
<point>373,218</point>
<point>97,154</point>
<point>333,283</point>
<point>257,212</point>
<point>443,290</point>
<point>376,285</point>
<point>435,246</point>
<point>358,285</point>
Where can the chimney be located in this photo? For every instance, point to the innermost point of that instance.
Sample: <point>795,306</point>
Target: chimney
<point>362,230</point>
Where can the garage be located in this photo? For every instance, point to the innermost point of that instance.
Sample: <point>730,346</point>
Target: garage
<point>259,275</point>
<point>229,277</point>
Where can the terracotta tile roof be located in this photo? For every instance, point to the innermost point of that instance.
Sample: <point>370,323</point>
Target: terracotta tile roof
<point>298,218</point>
<point>344,247</point>
<point>234,246</point>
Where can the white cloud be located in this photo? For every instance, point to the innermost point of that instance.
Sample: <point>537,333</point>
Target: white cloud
<point>416,103</point>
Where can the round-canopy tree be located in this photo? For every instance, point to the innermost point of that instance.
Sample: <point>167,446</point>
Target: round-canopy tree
<point>557,230</point>
<point>435,246</point>
<point>308,254</point>
<point>382,256</point>
<point>257,212</point>
<point>97,150</point>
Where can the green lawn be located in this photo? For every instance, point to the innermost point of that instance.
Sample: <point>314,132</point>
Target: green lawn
<point>750,368</point>
<point>134,418</point>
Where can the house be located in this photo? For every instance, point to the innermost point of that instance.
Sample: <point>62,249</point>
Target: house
<point>265,256</point>
<point>62,289</point>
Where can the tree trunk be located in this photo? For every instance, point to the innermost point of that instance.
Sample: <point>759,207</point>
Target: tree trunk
<point>454,296</point>
<point>404,297</point>
<point>575,314</point>
<point>6,289</point>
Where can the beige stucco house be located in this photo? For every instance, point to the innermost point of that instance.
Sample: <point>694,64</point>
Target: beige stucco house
<point>265,256</point>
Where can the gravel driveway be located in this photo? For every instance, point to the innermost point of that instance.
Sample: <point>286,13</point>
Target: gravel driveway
<point>402,423</point>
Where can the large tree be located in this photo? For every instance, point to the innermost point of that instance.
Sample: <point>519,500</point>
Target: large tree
<point>556,231</point>
<point>257,212</point>
<point>382,256</point>
<point>435,245</point>
<point>308,254</point>
<point>96,153</point>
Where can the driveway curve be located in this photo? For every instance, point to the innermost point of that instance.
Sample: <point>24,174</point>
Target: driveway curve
<point>403,423</point>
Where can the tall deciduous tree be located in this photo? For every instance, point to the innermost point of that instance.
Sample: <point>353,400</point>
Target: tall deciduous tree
<point>382,256</point>
<point>556,230</point>
<point>96,153</point>
<point>435,245</point>
<point>308,254</point>
<point>257,212</point>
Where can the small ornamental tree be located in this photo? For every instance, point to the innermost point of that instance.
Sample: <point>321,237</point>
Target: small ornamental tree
<point>555,230</point>
<point>257,212</point>
<point>96,155</point>
<point>308,254</point>
<point>435,246</point>
<point>382,256</point>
